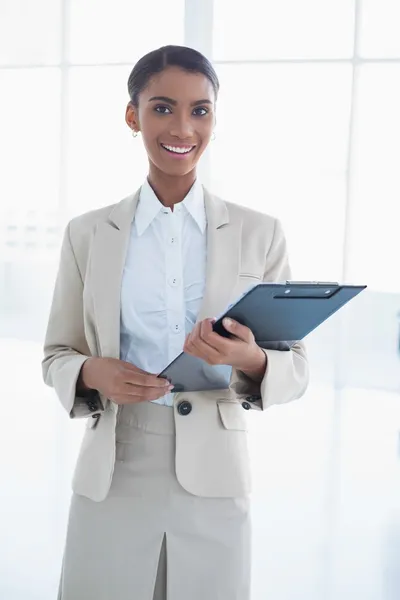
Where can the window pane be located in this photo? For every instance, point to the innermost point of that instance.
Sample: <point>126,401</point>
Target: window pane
<point>267,29</point>
<point>29,148</point>
<point>374,246</point>
<point>105,163</point>
<point>122,31</point>
<point>289,155</point>
<point>29,32</point>
<point>380,25</point>
<point>290,459</point>
<point>367,521</point>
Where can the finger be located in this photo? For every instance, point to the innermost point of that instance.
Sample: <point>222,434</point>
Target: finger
<point>237,329</point>
<point>195,331</point>
<point>212,339</point>
<point>146,380</point>
<point>201,349</point>
<point>129,389</point>
<point>194,334</point>
<point>133,368</point>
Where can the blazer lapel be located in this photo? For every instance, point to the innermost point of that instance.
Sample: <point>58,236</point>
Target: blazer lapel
<point>109,249</point>
<point>223,257</point>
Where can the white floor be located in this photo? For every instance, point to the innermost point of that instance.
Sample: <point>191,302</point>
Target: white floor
<point>326,505</point>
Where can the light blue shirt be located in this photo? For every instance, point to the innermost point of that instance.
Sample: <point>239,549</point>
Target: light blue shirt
<point>163,280</point>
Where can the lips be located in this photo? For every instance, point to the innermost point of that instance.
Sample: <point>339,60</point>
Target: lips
<point>181,150</point>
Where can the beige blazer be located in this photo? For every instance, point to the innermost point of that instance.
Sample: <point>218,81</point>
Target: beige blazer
<point>212,457</point>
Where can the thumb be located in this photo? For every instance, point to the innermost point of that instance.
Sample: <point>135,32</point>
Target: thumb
<point>240,331</point>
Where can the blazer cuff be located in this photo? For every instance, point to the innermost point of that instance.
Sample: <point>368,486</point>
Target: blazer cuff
<point>286,377</point>
<point>64,382</point>
<point>246,389</point>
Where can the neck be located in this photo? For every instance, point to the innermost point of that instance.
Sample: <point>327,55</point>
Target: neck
<point>170,189</point>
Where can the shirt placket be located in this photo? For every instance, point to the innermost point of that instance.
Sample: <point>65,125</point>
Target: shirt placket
<point>175,303</point>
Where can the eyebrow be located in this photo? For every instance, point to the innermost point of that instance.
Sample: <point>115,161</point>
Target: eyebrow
<point>174,102</point>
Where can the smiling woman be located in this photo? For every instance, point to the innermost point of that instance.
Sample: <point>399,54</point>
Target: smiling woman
<point>163,478</point>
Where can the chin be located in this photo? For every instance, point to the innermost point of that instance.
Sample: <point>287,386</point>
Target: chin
<point>177,169</point>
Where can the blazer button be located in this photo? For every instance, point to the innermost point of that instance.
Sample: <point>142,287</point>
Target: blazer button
<point>184,407</point>
<point>246,405</point>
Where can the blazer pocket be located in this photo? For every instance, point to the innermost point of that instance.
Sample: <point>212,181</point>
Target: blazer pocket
<point>250,276</point>
<point>232,415</point>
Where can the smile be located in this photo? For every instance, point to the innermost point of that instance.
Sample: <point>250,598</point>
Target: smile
<point>178,149</point>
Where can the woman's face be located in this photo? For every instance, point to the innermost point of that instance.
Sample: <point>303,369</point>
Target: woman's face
<point>176,117</point>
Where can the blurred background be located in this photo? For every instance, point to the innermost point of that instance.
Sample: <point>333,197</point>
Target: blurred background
<point>309,131</point>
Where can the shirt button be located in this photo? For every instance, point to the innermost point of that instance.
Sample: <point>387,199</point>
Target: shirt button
<point>177,328</point>
<point>174,281</point>
<point>173,240</point>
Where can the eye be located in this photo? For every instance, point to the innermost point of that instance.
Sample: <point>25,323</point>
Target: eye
<point>200,111</point>
<point>162,110</point>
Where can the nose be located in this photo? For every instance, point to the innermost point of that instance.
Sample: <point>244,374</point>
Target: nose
<point>182,127</point>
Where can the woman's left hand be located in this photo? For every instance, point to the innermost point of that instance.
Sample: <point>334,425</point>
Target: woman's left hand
<point>240,352</point>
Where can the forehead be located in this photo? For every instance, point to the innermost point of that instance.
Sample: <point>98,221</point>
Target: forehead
<point>180,85</point>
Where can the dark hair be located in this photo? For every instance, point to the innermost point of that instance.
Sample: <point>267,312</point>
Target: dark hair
<point>156,61</point>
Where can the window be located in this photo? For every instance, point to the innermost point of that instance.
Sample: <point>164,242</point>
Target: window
<point>102,32</point>
<point>379,24</point>
<point>288,29</point>
<point>282,130</point>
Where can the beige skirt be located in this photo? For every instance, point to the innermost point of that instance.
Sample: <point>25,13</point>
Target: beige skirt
<point>150,539</point>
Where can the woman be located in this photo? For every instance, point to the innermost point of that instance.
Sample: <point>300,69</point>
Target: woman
<point>160,508</point>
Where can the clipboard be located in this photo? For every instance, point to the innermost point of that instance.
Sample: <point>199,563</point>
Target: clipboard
<point>279,315</point>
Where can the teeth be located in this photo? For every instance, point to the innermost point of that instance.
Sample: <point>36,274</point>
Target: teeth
<point>177,150</point>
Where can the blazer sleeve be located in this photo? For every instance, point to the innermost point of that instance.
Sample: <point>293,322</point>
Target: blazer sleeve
<point>65,345</point>
<point>287,374</point>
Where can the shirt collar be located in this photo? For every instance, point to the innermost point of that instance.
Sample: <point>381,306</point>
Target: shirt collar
<point>149,206</point>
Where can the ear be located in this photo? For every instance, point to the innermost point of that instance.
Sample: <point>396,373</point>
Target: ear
<point>132,118</point>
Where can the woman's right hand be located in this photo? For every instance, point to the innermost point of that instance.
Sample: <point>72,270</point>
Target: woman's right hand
<point>122,382</point>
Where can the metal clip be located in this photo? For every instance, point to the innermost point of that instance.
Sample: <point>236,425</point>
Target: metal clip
<point>329,283</point>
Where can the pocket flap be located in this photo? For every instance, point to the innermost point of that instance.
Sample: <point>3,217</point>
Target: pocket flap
<point>232,415</point>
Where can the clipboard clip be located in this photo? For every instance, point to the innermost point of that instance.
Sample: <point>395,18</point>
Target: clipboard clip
<point>324,283</point>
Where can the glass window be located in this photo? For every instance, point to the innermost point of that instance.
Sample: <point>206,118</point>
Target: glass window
<point>267,29</point>
<point>30,32</point>
<point>281,148</point>
<point>375,191</point>
<point>105,163</point>
<point>122,31</point>
<point>379,28</point>
<point>30,138</point>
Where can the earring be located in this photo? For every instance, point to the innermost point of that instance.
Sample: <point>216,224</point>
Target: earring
<point>134,133</point>
<point>213,136</point>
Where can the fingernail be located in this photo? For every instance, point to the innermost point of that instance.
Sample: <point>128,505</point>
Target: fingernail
<point>228,322</point>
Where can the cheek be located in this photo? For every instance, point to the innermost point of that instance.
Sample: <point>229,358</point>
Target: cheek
<point>149,135</point>
<point>150,144</point>
<point>205,131</point>
<point>205,141</point>
<point>151,129</point>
